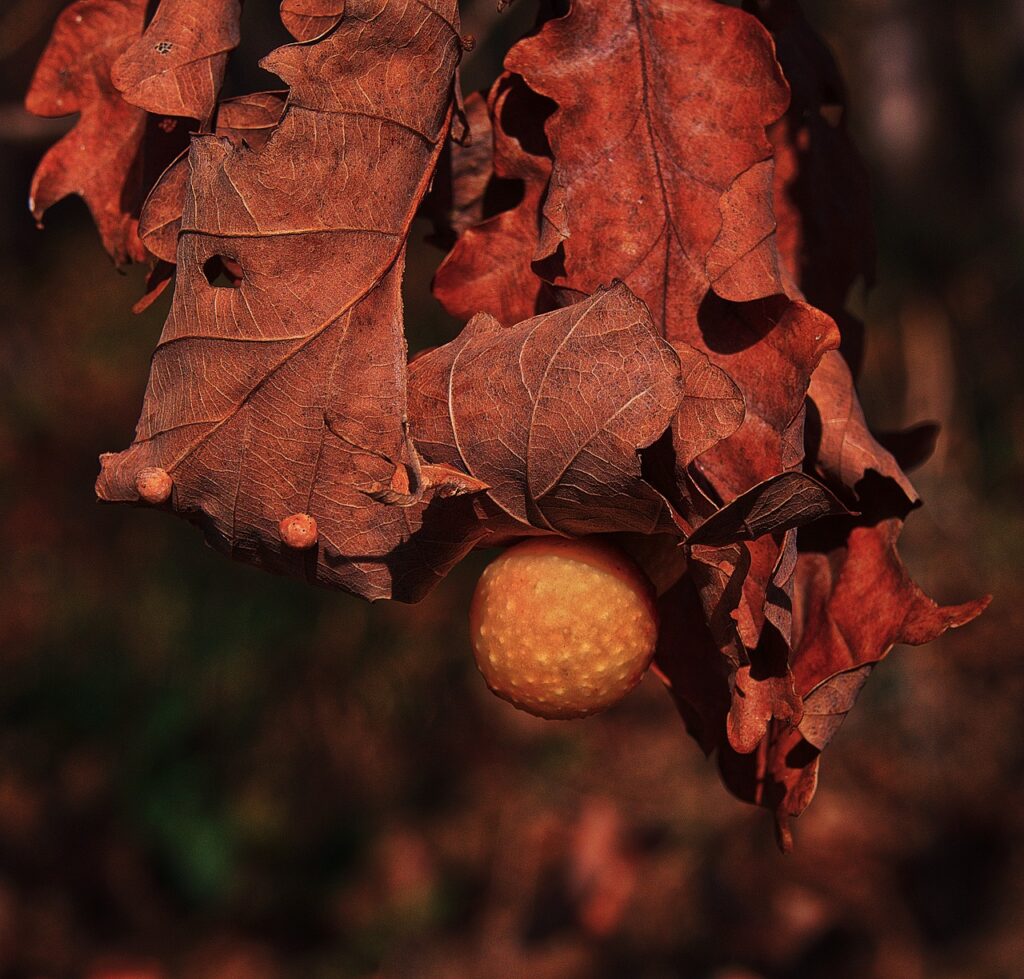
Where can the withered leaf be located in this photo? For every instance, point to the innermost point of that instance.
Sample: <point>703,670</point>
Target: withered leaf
<point>826,706</point>
<point>661,116</point>
<point>841,447</point>
<point>287,394</point>
<point>854,601</point>
<point>99,158</point>
<point>770,348</point>
<point>690,662</point>
<point>466,167</point>
<point>711,408</point>
<point>488,270</point>
<point>785,501</point>
<point>550,413</point>
<point>308,19</point>
<point>176,67</point>
<point>760,698</point>
<point>246,118</point>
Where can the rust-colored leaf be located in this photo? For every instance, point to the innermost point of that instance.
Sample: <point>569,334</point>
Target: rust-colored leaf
<point>711,408</point>
<point>854,601</point>
<point>99,158</point>
<point>248,119</point>
<point>770,348</point>
<point>287,394</point>
<point>489,270</point>
<point>780,503</point>
<point>550,413</point>
<point>840,445</point>
<point>309,19</point>
<point>661,116</point>
<point>457,199</point>
<point>176,67</point>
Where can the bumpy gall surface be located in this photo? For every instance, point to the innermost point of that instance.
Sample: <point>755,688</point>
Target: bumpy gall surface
<point>153,485</point>
<point>298,531</point>
<point>563,628</point>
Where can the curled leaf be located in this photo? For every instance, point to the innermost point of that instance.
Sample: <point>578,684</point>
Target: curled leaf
<point>286,393</point>
<point>99,158</point>
<point>661,116</point>
<point>841,447</point>
<point>488,270</point>
<point>177,66</point>
<point>550,413</point>
<point>309,19</point>
<point>835,644</point>
<point>248,119</point>
<point>780,503</point>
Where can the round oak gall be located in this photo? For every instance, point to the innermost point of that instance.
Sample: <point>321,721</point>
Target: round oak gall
<point>563,628</point>
<point>298,531</point>
<point>153,485</point>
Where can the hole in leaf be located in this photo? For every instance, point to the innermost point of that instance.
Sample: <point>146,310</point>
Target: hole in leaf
<point>222,272</point>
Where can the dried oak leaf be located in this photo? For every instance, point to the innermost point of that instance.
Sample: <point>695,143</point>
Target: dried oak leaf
<point>661,116</point>
<point>309,19</point>
<point>248,119</point>
<point>287,394</point>
<point>177,66</point>
<point>840,446</point>
<point>853,601</point>
<point>780,503</point>
<point>550,413</point>
<point>742,587</point>
<point>99,158</point>
<point>466,167</point>
<point>488,269</point>
<point>711,408</point>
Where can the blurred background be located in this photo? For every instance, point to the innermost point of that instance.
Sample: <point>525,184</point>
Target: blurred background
<point>210,772</point>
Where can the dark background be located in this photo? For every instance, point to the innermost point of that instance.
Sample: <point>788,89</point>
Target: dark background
<point>210,772</point>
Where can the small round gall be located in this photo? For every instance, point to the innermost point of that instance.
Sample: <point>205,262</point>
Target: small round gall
<point>298,531</point>
<point>563,628</point>
<point>153,485</point>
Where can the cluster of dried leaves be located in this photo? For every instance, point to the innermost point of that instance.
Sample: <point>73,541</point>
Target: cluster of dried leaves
<point>655,217</point>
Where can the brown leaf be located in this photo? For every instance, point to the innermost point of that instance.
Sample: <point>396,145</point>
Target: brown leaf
<point>457,199</point>
<point>308,19</point>
<point>246,118</point>
<point>854,601</point>
<point>550,413</point>
<point>826,706</point>
<point>287,394</point>
<point>770,349</point>
<point>690,662</point>
<point>840,446</point>
<point>757,700</point>
<point>785,501</point>
<point>99,158</point>
<point>177,66</point>
<point>719,573</point>
<point>489,270</point>
<point>661,116</point>
<point>711,408</point>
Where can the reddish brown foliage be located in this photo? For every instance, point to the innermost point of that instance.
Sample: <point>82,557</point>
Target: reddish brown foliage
<point>176,67</point>
<point>655,217</point>
<point>98,159</point>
